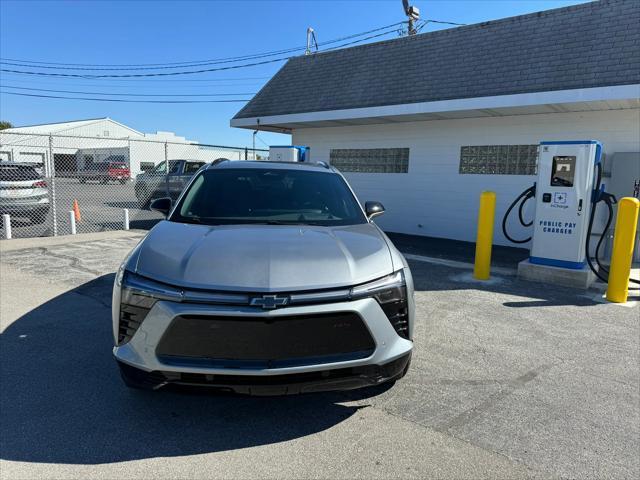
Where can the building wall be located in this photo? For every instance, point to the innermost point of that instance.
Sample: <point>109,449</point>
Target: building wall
<point>433,199</point>
<point>102,128</point>
<point>31,144</point>
<point>23,148</point>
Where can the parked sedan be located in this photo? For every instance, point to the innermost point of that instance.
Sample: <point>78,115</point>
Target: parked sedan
<point>159,182</point>
<point>266,278</point>
<point>23,192</point>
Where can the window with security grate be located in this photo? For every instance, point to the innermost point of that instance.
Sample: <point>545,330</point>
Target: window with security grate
<point>370,160</point>
<point>499,159</point>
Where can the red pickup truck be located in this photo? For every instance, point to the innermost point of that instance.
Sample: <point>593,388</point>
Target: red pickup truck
<point>106,172</point>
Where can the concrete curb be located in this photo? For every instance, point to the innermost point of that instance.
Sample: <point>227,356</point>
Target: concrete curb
<point>457,264</point>
<point>24,243</point>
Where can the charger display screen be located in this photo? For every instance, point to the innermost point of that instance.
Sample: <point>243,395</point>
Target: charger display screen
<point>563,171</point>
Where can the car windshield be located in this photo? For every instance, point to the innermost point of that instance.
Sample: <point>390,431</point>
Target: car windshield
<point>268,196</point>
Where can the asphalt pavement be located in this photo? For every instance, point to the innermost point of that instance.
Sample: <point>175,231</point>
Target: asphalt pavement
<point>509,379</point>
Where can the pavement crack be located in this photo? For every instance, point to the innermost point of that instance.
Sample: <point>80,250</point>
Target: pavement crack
<point>481,349</point>
<point>74,261</point>
<point>507,389</point>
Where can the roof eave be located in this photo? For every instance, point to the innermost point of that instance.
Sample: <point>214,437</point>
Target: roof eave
<point>607,97</point>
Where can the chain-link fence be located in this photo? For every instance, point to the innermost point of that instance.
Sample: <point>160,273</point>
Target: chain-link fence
<point>58,185</point>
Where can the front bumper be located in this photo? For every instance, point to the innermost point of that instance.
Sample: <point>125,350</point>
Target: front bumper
<point>16,207</point>
<point>287,384</point>
<point>385,361</point>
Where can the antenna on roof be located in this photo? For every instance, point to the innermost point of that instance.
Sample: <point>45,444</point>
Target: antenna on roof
<point>413,14</point>
<point>311,36</point>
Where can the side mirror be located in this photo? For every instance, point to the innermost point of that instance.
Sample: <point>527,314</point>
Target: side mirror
<point>161,205</point>
<point>373,209</point>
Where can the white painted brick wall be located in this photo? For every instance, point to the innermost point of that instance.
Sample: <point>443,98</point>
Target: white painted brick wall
<point>433,194</point>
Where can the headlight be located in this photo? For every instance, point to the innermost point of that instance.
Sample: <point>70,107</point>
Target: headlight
<point>387,289</point>
<point>138,295</point>
<point>391,294</point>
<point>120,274</point>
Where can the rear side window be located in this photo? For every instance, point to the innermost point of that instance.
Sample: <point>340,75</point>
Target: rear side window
<point>17,173</point>
<point>192,167</point>
<point>174,167</point>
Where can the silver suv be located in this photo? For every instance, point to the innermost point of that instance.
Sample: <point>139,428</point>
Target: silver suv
<point>23,192</point>
<point>265,278</point>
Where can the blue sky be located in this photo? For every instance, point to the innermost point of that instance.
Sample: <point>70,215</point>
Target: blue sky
<point>144,32</point>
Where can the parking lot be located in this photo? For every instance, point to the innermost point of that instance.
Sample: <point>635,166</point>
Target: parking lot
<point>509,380</point>
<point>101,208</point>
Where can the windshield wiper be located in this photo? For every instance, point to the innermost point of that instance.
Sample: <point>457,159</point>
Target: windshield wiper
<point>196,221</point>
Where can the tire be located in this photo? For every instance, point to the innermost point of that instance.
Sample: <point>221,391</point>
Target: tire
<point>137,379</point>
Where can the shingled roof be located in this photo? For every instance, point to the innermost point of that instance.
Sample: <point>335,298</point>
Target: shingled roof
<point>588,45</point>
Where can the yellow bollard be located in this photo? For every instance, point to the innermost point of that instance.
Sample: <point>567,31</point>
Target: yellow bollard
<point>484,239</point>
<point>623,240</point>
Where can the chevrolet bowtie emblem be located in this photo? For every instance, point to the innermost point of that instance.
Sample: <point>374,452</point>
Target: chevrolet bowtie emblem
<point>269,301</point>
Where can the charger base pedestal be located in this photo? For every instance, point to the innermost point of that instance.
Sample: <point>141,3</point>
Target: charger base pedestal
<point>567,277</point>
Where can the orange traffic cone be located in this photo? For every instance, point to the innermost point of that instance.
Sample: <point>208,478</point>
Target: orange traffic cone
<point>76,211</point>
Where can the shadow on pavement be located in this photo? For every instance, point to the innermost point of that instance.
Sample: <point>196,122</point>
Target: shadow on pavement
<point>133,204</point>
<point>62,400</point>
<point>433,277</point>
<point>455,249</point>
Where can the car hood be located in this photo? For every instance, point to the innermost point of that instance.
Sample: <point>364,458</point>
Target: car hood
<point>263,258</point>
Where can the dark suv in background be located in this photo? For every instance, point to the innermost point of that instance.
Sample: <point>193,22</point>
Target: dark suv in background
<point>158,183</point>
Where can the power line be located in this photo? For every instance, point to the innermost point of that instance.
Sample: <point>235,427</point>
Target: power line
<point>358,41</point>
<point>121,100</point>
<point>192,72</point>
<point>138,75</point>
<point>260,138</point>
<point>93,67</point>
<point>189,72</point>
<point>244,82</point>
<point>132,94</point>
<point>446,23</point>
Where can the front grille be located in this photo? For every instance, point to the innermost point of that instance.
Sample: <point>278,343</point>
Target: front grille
<point>265,342</point>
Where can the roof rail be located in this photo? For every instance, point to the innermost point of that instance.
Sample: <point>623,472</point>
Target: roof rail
<point>217,161</point>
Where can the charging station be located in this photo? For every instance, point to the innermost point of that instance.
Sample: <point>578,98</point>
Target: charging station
<point>567,192</point>
<point>564,199</point>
